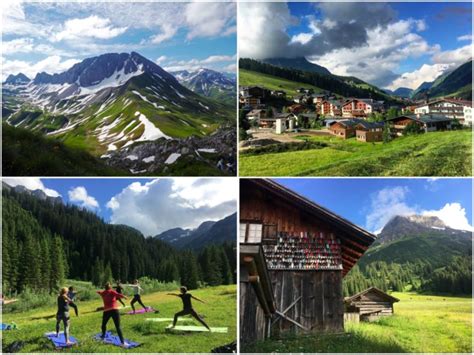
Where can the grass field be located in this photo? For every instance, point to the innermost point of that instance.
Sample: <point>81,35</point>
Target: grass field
<point>421,323</point>
<point>430,154</point>
<point>248,78</point>
<point>219,311</point>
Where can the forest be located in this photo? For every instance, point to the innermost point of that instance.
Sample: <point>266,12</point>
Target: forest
<point>327,82</point>
<point>421,276</point>
<point>45,241</point>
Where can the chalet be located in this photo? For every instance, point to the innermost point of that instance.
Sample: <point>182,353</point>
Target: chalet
<point>293,256</point>
<point>253,96</point>
<point>330,108</point>
<point>361,107</point>
<point>256,114</point>
<point>427,123</point>
<point>318,99</point>
<point>285,122</point>
<point>344,128</point>
<point>369,131</point>
<point>368,305</point>
<point>296,108</point>
<point>452,108</point>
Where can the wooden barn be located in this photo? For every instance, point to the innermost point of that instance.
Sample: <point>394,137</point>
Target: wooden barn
<point>368,305</point>
<point>293,256</point>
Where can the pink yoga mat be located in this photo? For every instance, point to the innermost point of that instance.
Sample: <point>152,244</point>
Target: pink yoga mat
<point>141,311</point>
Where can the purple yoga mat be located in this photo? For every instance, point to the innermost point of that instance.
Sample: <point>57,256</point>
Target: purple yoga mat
<point>141,311</point>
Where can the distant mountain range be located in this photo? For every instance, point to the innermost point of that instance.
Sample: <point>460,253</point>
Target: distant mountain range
<point>39,194</point>
<point>111,102</point>
<point>209,83</point>
<point>401,92</point>
<point>207,233</point>
<point>411,238</point>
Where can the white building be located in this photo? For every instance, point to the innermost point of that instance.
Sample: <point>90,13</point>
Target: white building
<point>451,108</point>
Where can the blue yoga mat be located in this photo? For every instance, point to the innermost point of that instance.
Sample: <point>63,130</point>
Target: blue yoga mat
<point>115,340</point>
<point>60,341</point>
<point>6,326</point>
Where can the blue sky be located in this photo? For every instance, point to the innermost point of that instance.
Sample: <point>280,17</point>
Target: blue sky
<point>53,36</point>
<point>387,44</point>
<point>370,203</point>
<point>149,205</point>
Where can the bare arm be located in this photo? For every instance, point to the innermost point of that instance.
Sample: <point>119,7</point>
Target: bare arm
<point>197,299</point>
<point>173,294</point>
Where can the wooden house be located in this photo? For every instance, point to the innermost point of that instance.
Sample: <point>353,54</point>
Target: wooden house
<point>369,131</point>
<point>427,123</point>
<point>368,305</point>
<point>256,114</point>
<point>293,256</point>
<point>344,128</point>
<point>452,108</point>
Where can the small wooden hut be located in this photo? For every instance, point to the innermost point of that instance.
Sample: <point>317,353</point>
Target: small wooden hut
<point>293,256</point>
<point>368,305</point>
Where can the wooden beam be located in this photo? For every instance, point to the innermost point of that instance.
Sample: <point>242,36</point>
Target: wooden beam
<point>292,321</point>
<point>288,308</point>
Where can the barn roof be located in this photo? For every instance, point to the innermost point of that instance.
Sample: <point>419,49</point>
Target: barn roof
<point>371,290</point>
<point>428,118</point>
<point>354,240</point>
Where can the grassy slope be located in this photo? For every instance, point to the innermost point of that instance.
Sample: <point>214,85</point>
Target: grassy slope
<point>29,154</point>
<point>431,154</point>
<point>220,311</point>
<point>421,324</point>
<point>248,78</point>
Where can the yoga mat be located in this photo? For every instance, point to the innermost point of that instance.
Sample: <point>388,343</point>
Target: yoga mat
<point>60,341</point>
<point>195,328</point>
<point>141,311</point>
<point>6,326</point>
<point>166,319</point>
<point>115,340</point>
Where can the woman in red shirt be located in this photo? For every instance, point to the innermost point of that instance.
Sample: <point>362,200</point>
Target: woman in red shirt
<point>111,310</point>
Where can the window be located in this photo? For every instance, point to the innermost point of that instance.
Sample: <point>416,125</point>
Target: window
<point>251,232</point>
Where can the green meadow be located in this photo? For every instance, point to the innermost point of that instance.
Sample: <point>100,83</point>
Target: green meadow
<point>430,154</point>
<point>219,311</point>
<point>421,324</point>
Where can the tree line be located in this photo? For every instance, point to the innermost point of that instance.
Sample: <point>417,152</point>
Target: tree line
<point>421,276</point>
<point>45,241</point>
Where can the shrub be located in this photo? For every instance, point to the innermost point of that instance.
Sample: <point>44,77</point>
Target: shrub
<point>412,128</point>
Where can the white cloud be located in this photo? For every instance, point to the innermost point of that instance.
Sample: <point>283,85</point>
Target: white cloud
<point>195,64</point>
<point>302,38</point>
<point>31,183</point>
<point>209,19</point>
<point>80,196</point>
<point>51,64</point>
<point>465,38</point>
<point>386,204</point>
<point>453,215</point>
<point>162,204</point>
<point>92,27</point>
<point>167,32</point>
<point>160,60</point>
<point>19,45</point>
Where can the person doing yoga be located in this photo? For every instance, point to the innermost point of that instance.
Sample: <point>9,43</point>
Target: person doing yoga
<point>187,306</point>
<point>111,310</point>
<point>72,296</point>
<point>119,289</point>
<point>62,315</point>
<point>136,295</point>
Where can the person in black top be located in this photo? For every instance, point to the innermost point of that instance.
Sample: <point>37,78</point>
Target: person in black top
<point>119,289</point>
<point>63,313</point>
<point>187,307</point>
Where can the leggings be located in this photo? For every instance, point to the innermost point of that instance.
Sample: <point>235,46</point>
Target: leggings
<point>64,317</point>
<point>138,299</point>
<point>191,312</point>
<point>120,300</point>
<point>115,315</point>
<point>74,306</point>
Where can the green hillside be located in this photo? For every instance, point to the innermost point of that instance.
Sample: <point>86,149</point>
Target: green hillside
<point>29,154</point>
<point>430,154</point>
<point>250,78</point>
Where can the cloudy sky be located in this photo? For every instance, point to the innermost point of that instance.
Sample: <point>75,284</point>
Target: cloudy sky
<point>51,37</point>
<point>390,45</point>
<point>371,203</point>
<point>149,205</point>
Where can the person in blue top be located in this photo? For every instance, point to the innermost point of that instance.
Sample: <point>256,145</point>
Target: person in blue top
<point>72,296</point>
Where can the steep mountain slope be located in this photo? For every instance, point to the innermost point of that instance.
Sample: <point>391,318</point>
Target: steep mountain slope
<point>401,92</point>
<point>455,82</point>
<point>20,78</point>
<point>300,63</point>
<point>209,83</point>
<point>341,85</point>
<point>207,233</point>
<point>113,100</point>
<point>418,238</point>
